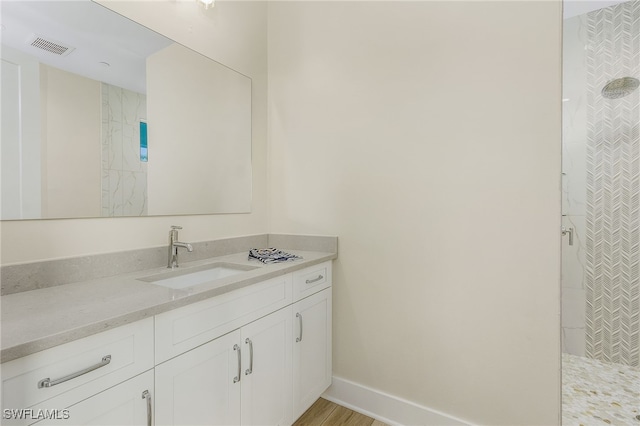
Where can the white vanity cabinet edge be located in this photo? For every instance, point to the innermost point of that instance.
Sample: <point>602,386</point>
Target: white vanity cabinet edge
<point>129,403</point>
<point>128,350</point>
<point>311,280</point>
<point>312,364</point>
<point>183,329</point>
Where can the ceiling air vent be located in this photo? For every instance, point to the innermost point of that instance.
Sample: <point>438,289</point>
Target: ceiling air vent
<point>51,46</point>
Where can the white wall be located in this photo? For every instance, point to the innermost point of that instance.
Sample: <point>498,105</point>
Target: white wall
<point>234,33</point>
<point>427,136</point>
<point>211,160</point>
<point>71,159</point>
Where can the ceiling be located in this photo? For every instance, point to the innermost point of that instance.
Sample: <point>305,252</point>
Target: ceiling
<point>98,35</point>
<point>101,36</point>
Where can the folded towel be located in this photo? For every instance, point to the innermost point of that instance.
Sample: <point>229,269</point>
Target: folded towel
<point>271,255</point>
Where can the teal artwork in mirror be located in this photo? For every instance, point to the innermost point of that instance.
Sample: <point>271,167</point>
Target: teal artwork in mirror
<point>144,148</point>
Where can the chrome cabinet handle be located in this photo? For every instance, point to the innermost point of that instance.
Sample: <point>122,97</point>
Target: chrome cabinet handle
<point>299,316</point>
<point>569,231</point>
<point>314,280</point>
<point>146,395</point>
<point>250,369</point>
<point>47,383</point>
<point>237,378</point>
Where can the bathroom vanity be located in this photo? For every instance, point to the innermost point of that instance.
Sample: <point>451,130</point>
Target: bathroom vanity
<point>253,347</point>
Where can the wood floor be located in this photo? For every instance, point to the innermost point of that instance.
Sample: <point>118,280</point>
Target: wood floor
<point>326,413</point>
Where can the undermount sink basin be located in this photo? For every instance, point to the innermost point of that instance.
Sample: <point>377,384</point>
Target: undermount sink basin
<point>197,275</point>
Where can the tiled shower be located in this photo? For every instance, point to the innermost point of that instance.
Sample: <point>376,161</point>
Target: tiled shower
<point>613,186</point>
<point>124,175</point>
<point>601,183</point>
<point>601,208</point>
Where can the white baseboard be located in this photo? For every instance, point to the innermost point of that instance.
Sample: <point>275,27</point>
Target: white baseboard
<point>384,407</point>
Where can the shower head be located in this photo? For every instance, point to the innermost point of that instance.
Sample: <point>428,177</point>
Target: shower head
<point>620,87</point>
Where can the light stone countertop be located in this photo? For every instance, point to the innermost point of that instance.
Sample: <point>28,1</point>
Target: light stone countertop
<point>36,320</point>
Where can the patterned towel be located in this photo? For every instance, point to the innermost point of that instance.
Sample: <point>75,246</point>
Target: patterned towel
<point>271,255</point>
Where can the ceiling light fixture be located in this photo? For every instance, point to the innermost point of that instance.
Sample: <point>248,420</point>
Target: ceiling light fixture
<point>206,3</point>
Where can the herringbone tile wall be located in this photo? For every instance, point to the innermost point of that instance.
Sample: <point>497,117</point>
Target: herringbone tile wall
<point>613,188</point>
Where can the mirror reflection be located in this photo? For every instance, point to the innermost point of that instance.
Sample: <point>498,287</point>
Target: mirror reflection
<point>102,117</point>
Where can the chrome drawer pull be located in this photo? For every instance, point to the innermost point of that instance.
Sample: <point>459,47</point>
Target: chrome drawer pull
<point>250,369</point>
<point>314,280</point>
<point>47,383</point>
<point>299,338</point>
<point>237,378</point>
<point>146,395</point>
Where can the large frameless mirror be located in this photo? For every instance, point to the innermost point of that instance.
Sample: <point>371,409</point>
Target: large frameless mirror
<point>102,117</point>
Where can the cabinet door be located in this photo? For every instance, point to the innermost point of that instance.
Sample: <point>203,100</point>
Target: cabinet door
<point>311,349</point>
<point>126,404</point>
<point>266,374</point>
<point>200,387</point>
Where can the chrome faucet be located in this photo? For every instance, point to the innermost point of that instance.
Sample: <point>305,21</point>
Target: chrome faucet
<point>174,244</point>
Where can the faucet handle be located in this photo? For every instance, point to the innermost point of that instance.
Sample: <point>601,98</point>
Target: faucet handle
<point>173,227</point>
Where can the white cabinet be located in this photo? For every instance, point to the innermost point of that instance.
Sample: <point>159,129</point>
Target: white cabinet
<point>266,382</point>
<point>183,329</point>
<point>201,387</point>
<point>311,349</point>
<point>243,377</point>
<point>311,280</point>
<point>60,377</point>
<point>127,404</point>
<point>258,355</point>
<point>272,364</point>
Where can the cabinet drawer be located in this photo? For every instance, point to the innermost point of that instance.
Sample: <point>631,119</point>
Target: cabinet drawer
<point>185,328</point>
<point>124,404</point>
<point>311,280</point>
<point>78,369</point>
